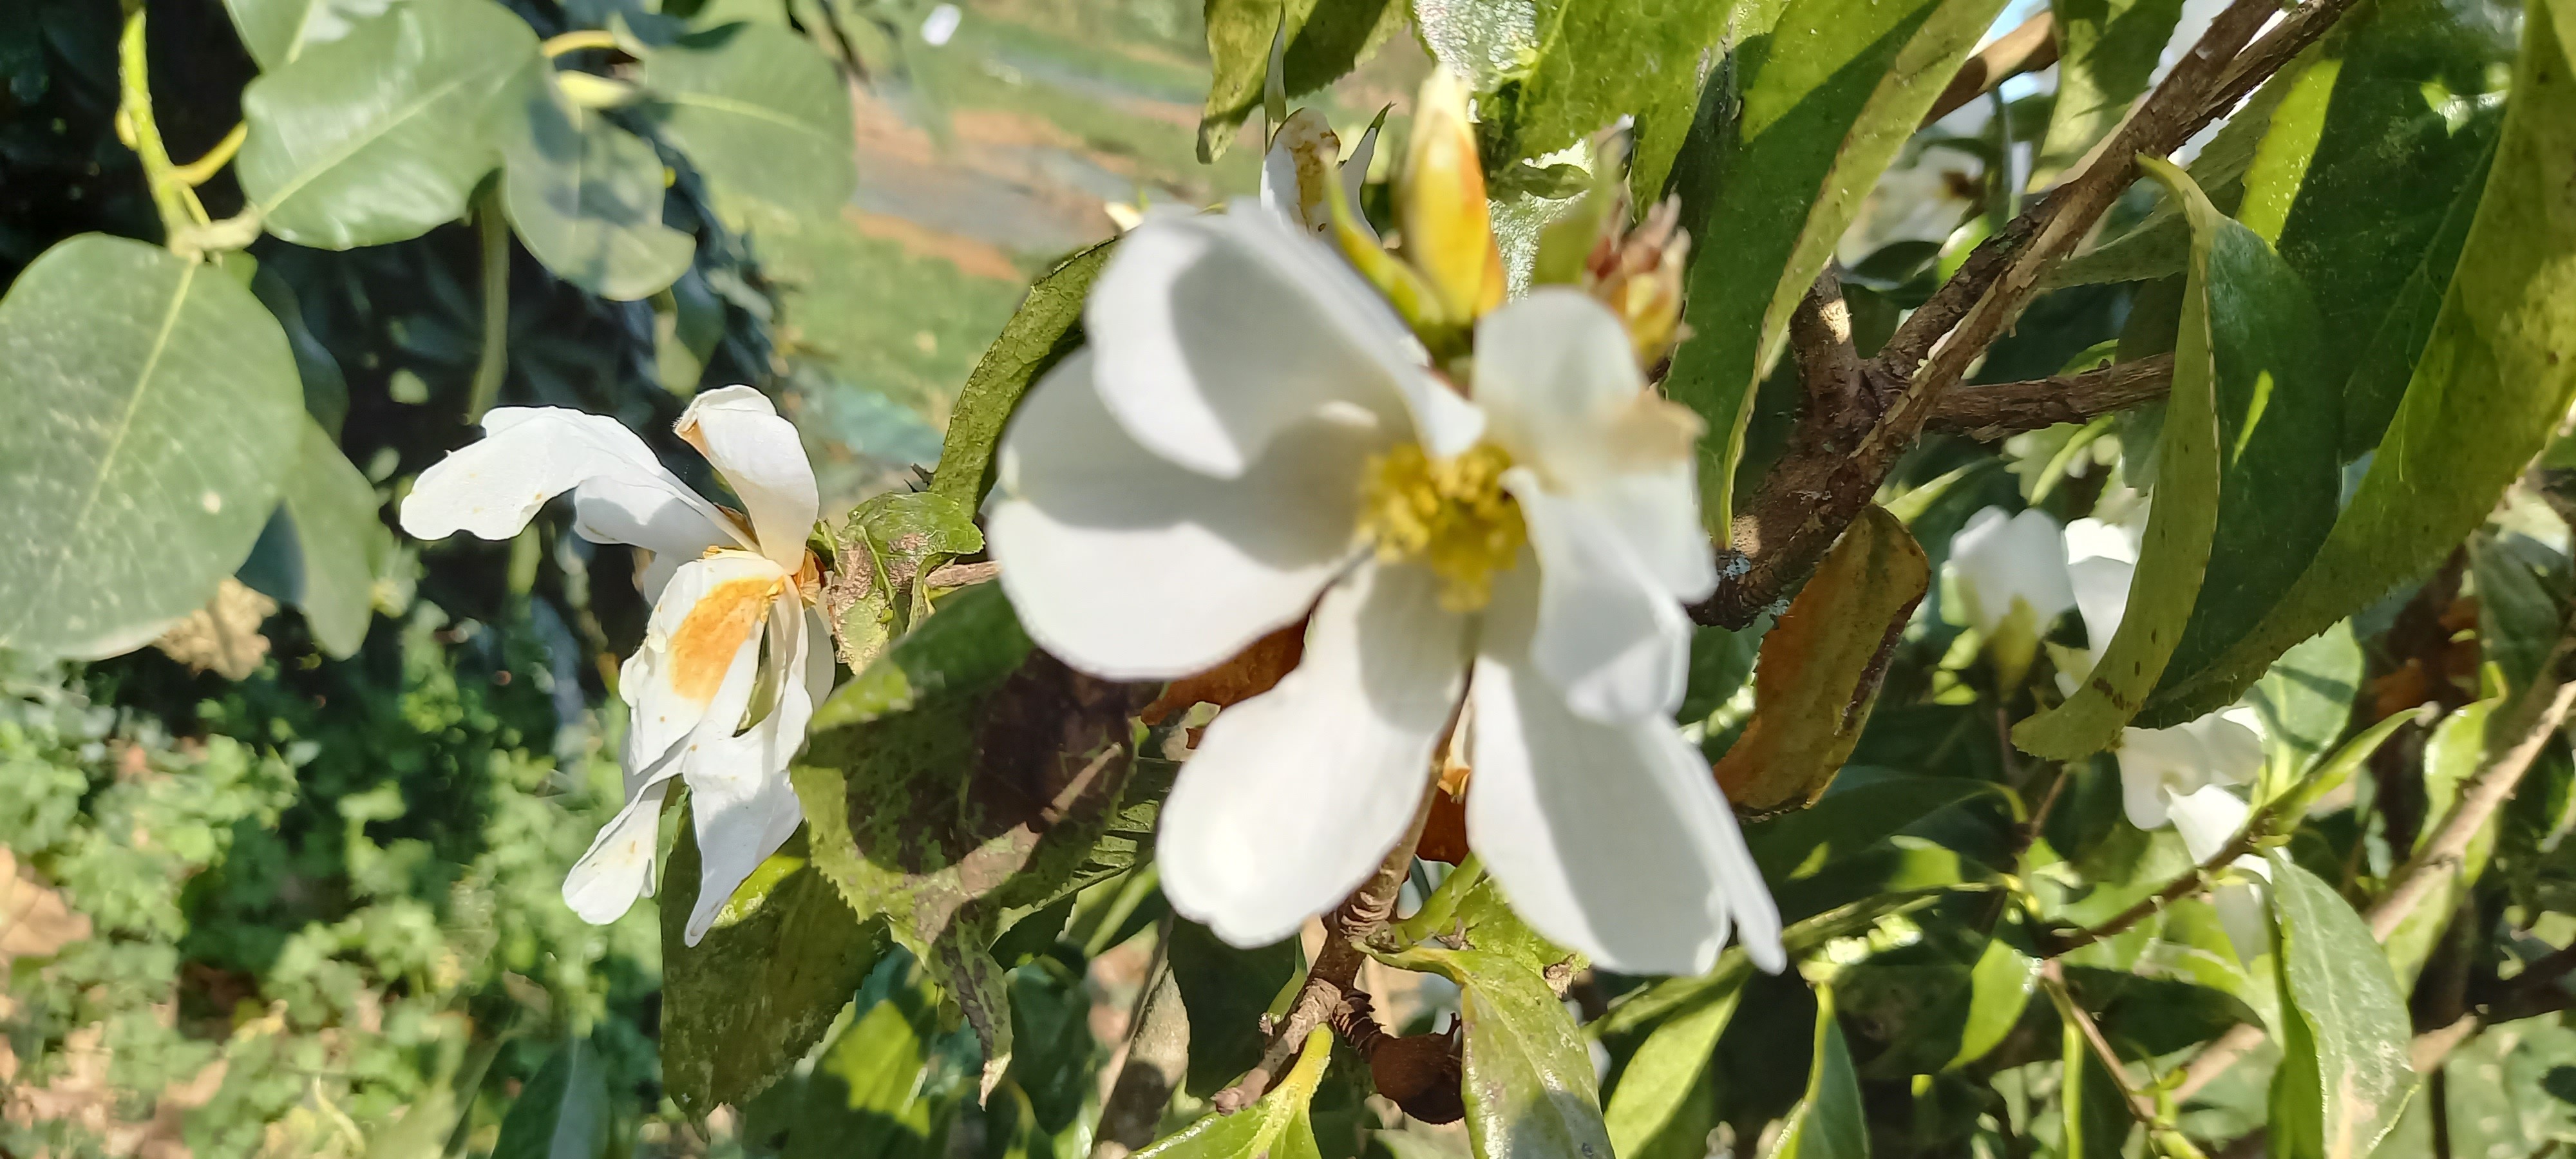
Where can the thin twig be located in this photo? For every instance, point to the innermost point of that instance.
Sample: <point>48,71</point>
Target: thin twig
<point>2190,884</point>
<point>2028,48</point>
<point>1336,969</point>
<point>1987,413</point>
<point>2141,1108</point>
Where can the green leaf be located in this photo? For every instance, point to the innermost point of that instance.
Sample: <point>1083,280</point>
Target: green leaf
<point>1226,991</point>
<point>2305,699</point>
<point>148,413</point>
<point>1528,1076</point>
<point>1325,39</point>
<point>2492,383</point>
<point>1046,327</point>
<point>2174,559</point>
<point>1594,63</point>
<point>882,555</point>
<point>863,1097</point>
<point>562,1113</point>
<point>2452,756</point>
<point>761,114</point>
<point>1050,1010</point>
<point>2106,51</point>
<point>278,31</point>
<point>1851,820</point>
<point>756,993</point>
<point>382,134</point>
<point>331,543</point>
<point>1667,1067</point>
<point>2344,1074</point>
<point>2523,591</point>
<point>1829,1122</point>
<point>2159,246</point>
<point>1829,96</point>
<point>586,197</point>
<point>1720,662</point>
<point>1276,1127</point>
<point>1999,987</point>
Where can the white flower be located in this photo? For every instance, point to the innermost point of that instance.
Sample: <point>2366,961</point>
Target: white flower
<point>2159,764</point>
<point>2207,819</point>
<point>1303,156</point>
<point>1999,564</point>
<point>1252,436</point>
<point>730,621</point>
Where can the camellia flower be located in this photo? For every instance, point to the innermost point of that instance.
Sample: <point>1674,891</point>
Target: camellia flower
<point>2001,565</point>
<point>1253,436</point>
<point>733,660</point>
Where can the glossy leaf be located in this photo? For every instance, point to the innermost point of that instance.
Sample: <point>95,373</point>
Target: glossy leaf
<point>586,197</point>
<point>1999,988</point>
<point>2305,699</point>
<point>1829,1122</point>
<point>563,1113</point>
<point>149,414</point>
<point>1276,1126</point>
<point>1529,1084</point>
<point>278,31</point>
<point>2492,383</point>
<point>1821,664</point>
<point>2344,1074</point>
<point>1852,819</point>
<point>1829,96</point>
<point>2106,51</point>
<point>1226,991</point>
<point>760,113</point>
<point>1588,64</point>
<point>2175,556</point>
<point>382,134</point>
<point>1667,1067</point>
<point>757,992</point>
<point>1045,328</point>
<point>1325,39</point>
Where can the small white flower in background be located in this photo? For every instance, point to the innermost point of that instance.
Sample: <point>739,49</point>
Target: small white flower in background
<point>1303,156</point>
<point>2207,819</point>
<point>941,24</point>
<point>1251,436</point>
<point>731,634</point>
<point>2158,765</point>
<point>2000,564</point>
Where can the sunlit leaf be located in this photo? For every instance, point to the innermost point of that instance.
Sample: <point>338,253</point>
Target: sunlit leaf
<point>278,31</point>
<point>1829,1122</point>
<point>760,112</point>
<point>383,133</point>
<point>1277,1126</point>
<point>586,196</point>
<point>1528,1077</point>
<point>1044,329</point>
<point>2344,1074</point>
<point>1325,39</point>
<point>2106,51</point>
<point>149,414</point>
<point>1666,1068</point>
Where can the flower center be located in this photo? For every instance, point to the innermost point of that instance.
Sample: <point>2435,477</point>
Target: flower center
<point>1450,515</point>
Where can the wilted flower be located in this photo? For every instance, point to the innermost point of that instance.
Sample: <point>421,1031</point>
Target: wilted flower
<point>1252,437</point>
<point>732,662</point>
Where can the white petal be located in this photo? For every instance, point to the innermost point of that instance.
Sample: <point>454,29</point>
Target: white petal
<point>2156,763</point>
<point>1279,184</point>
<point>739,794</point>
<point>2244,915</point>
<point>2090,538</point>
<point>2207,818</point>
<point>618,866</point>
<point>1295,795</point>
<point>1214,334</point>
<point>528,455</point>
<point>2101,587</point>
<point>2233,752</point>
<point>1557,376</point>
<point>706,625</point>
<point>1611,839</point>
<point>1995,559</point>
<point>761,458</point>
<point>1608,636</point>
<point>1128,567</point>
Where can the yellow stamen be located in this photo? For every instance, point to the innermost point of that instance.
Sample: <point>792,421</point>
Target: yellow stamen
<point>1450,515</point>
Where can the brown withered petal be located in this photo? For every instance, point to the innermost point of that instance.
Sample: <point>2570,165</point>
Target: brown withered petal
<point>1248,674</point>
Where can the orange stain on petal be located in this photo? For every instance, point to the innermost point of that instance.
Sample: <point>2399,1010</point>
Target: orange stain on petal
<point>703,646</point>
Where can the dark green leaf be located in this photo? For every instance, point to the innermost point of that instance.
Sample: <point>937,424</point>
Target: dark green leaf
<point>1050,1012</point>
<point>2344,1074</point>
<point>1226,991</point>
<point>2452,755</point>
<point>586,196</point>
<point>760,113</point>
<point>328,542</point>
<point>562,1113</point>
<point>2106,51</point>
<point>1044,329</point>
<point>1850,820</point>
<point>151,414</point>
<point>382,134</point>
<point>1528,1083</point>
<point>1720,662</point>
<point>756,993</point>
<point>2492,383</point>
<point>1326,38</point>
<point>1829,96</point>
<point>1829,1122</point>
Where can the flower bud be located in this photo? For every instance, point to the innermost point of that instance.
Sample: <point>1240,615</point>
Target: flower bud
<point>1448,235</point>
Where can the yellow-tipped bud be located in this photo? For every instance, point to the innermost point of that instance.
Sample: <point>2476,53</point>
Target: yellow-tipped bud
<point>1441,203</point>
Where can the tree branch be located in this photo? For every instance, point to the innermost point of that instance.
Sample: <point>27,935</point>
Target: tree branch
<point>1336,969</point>
<point>2179,888</point>
<point>1821,333</point>
<point>2028,48</point>
<point>1987,413</point>
<point>1802,506</point>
